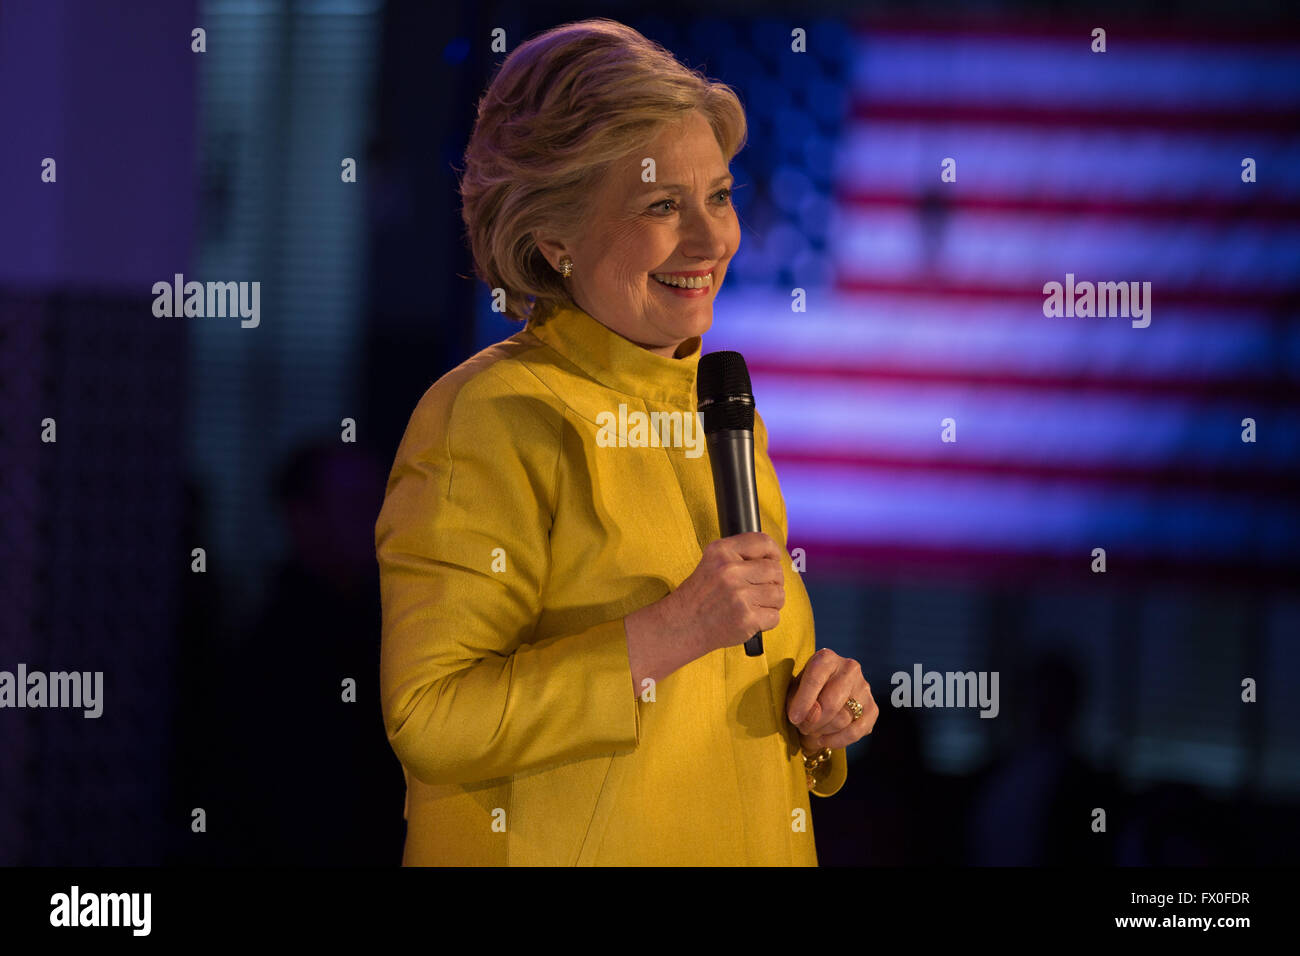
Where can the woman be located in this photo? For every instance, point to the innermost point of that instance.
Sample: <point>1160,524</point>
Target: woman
<point>562,672</point>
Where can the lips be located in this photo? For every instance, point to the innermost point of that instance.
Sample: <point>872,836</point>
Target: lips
<point>685,280</point>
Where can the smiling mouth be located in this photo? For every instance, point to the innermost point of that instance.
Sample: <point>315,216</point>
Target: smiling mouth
<point>683,282</point>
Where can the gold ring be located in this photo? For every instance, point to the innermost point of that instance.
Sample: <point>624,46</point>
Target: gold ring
<point>854,708</point>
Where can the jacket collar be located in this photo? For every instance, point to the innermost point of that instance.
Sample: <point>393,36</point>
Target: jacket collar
<point>618,363</point>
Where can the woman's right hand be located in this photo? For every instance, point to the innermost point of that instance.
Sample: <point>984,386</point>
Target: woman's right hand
<point>736,590</point>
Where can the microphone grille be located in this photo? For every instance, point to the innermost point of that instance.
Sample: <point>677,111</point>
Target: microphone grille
<point>724,393</point>
<point>722,374</point>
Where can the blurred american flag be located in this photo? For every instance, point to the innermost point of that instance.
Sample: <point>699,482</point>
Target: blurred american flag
<point>1072,433</point>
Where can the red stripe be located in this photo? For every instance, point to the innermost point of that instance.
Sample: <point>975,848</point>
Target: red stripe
<point>1256,206</point>
<point>1277,298</point>
<point>1258,390</point>
<point>1033,570</point>
<point>1200,119</point>
<point>1164,476</point>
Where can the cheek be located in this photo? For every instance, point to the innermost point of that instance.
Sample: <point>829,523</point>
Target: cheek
<point>627,252</point>
<point>639,251</point>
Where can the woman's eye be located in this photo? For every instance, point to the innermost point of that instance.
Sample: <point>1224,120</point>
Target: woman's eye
<point>659,206</point>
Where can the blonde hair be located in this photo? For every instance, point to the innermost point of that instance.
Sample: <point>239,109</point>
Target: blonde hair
<point>564,107</point>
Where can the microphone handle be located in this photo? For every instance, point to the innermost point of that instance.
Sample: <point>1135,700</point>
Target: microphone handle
<point>731,453</point>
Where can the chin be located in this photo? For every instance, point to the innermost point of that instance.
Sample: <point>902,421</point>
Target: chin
<point>691,318</point>
<point>697,324</point>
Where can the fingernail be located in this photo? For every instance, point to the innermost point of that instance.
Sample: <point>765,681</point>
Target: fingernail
<point>796,716</point>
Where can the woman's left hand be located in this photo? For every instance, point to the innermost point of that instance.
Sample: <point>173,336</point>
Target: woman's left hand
<point>816,698</point>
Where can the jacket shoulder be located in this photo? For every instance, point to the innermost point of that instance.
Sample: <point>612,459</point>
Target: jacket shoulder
<point>493,388</point>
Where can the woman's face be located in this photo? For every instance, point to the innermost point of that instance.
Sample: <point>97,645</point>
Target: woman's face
<point>681,222</point>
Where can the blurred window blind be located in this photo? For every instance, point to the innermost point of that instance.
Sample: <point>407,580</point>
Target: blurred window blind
<point>285,93</point>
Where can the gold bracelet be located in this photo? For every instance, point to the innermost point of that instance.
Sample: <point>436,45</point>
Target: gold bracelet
<point>810,764</point>
<point>817,759</point>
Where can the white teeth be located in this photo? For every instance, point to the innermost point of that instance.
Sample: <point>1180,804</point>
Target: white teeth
<point>684,282</point>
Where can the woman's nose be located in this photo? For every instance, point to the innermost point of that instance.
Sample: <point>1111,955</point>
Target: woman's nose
<point>704,235</point>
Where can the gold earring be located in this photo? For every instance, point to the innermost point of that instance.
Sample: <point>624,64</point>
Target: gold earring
<point>566,267</point>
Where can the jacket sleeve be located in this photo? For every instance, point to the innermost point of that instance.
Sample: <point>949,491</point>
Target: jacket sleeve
<point>830,776</point>
<point>463,547</point>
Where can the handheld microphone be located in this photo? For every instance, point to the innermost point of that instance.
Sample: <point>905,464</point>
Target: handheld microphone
<point>725,400</point>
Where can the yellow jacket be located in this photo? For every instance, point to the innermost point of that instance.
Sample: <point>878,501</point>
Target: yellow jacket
<point>511,544</point>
